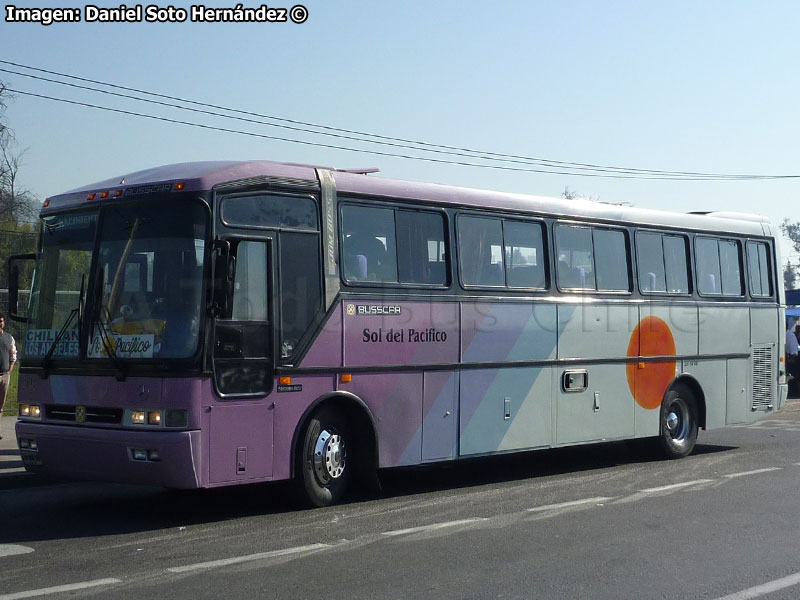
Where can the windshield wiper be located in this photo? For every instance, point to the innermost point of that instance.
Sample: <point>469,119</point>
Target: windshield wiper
<point>77,311</point>
<point>111,349</point>
<point>54,345</point>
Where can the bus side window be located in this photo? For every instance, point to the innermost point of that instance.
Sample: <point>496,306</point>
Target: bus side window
<point>524,250</point>
<point>421,247</point>
<point>760,273</point>
<point>575,260</point>
<point>718,267</point>
<point>368,244</point>
<point>480,242</point>
<point>250,282</point>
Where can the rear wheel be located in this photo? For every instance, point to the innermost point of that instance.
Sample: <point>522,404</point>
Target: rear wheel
<point>678,423</point>
<point>326,465</point>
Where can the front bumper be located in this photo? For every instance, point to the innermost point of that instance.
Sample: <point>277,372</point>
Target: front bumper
<point>107,455</point>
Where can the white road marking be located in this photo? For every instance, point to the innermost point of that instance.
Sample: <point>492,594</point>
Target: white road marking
<point>432,527</point>
<point>763,589</point>
<point>59,589</point>
<point>570,504</point>
<point>675,486</point>
<point>755,472</point>
<point>250,557</point>
<point>12,550</point>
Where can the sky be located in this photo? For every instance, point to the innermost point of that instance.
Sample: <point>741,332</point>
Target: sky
<point>708,87</point>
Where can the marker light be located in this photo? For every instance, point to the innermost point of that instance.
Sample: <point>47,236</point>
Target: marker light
<point>179,186</point>
<point>46,203</point>
<point>138,417</point>
<point>285,380</point>
<point>91,196</point>
<point>154,417</point>
<point>346,378</point>
<point>104,194</point>
<point>118,194</point>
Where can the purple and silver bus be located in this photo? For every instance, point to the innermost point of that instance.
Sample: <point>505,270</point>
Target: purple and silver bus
<point>219,323</point>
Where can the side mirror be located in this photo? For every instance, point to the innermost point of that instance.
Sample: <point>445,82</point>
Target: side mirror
<point>13,288</point>
<point>13,283</point>
<point>224,272</point>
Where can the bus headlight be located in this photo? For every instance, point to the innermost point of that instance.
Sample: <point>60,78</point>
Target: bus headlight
<point>157,419</point>
<point>30,411</point>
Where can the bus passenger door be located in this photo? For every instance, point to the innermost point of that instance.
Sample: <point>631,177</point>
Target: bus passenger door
<point>240,425</point>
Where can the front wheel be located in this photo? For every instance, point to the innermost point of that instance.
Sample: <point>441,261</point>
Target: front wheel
<point>325,467</point>
<point>678,422</point>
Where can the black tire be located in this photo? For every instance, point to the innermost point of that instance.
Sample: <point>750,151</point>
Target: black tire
<point>324,466</point>
<point>678,422</point>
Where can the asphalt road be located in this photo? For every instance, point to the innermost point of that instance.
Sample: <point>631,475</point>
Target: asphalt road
<point>608,521</point>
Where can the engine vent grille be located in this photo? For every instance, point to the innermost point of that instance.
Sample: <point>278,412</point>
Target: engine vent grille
<point>763,377</point>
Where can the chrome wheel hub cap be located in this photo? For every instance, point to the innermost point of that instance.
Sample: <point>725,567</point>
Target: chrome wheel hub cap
<point>677,421</point>
<point>672,422</point>
<point>329,456</point>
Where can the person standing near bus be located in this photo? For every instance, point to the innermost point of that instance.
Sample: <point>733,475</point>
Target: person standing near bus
<point>8,356</point>
<point>792,347</point>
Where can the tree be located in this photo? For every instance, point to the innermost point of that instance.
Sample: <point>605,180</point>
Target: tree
<point>791,231</point>
<point>789,275</point>
<point>18,207</point>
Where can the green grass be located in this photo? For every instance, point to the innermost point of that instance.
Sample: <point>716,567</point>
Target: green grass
<point>10,407</point>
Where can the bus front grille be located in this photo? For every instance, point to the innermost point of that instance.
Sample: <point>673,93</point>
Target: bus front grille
<point>88,414</point>
<point>763,377</point>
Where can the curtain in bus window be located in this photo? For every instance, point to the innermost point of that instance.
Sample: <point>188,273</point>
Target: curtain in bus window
<point>611,260</point>
<point>524,254</point>
<point>480,243</point>
<point>369,251</point>
<point>730,268</point>
<point>420,247</point>
<point>575,260</point>
<point>707,258</point>
<point>676,264</point>
<point>650,256</point>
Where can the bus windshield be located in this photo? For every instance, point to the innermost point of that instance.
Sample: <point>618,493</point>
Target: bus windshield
<point>137,297</point>
<point>148,285</point>
<point>62,273</point>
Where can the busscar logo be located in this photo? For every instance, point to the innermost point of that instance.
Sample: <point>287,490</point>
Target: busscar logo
<point>80,414</point>
<point>374,309</point>
<point>351,309</point>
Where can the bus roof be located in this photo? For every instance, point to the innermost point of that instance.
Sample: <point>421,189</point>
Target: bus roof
<point>202,176</point>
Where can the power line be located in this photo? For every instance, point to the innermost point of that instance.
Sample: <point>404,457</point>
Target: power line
<point>380,139</point>
<point>335,147</point>
<point>292,128</point>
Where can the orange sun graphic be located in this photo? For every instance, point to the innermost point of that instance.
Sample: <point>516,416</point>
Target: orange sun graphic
<point>648,381</point>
